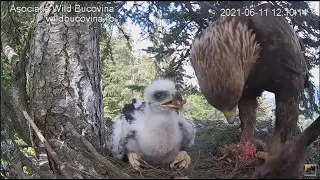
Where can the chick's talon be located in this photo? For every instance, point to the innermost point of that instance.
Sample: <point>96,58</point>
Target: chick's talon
<point>182,160</point>
<point>137,162</point>
<point>134,160</point>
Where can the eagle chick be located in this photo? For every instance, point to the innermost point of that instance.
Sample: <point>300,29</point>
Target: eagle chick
<point>153,131</point>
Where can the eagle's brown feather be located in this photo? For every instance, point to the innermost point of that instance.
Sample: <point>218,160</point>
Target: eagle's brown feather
<point>237,52</point>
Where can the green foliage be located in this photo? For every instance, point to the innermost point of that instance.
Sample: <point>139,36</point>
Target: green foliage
<point>30,172</point>
<point>124,75</point>
<point>313,155</point>
<point>9,151</point>
<point>18,28</point>
<point>17,25</point>
<point>137,88</point>
<point>198,108</point>
<point>6,74</point>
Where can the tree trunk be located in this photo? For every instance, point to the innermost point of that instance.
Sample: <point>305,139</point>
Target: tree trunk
<point>65,79</point>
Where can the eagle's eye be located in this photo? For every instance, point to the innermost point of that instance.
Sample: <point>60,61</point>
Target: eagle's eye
<point>160,95</point>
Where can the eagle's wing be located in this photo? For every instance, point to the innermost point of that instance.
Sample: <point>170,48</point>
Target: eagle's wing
<point>188,128</point>
<point>123,130</point>
<point>281,38</point>
<point>116,138</point>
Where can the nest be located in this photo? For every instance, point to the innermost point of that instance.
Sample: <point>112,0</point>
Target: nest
<point>204,156</point>
<point>211,144</point>
<point>204,165</point>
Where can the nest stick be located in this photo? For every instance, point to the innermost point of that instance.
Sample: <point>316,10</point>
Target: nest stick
<point>94,152</point>
<point>47,145</point>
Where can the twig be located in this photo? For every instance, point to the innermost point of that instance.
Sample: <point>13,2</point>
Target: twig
<point>219,159</point>
<point>235,168</point>
<point>31,137</point>
<point>125,35</point>
<point>28,163</point>
<point>84,172</point>
<point>24,146</point>
<point>200,21</point>
<point>71,155</point>
<point>47,145</point>
<point>300,25</point>
<point>141,176</point>
<point>195,164</point>
<point>93,151</point>
<point>108,158</point>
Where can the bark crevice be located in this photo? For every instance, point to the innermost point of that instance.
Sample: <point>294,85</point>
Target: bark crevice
<point>65,85</point>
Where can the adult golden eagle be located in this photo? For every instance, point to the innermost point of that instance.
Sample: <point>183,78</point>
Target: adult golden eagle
<point>237,58</point>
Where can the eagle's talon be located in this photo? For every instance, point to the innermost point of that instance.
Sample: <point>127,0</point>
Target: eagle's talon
<point>181,161</point>
<point>262,155</point>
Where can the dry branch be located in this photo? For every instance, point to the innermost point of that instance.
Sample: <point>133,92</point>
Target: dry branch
<point>28,162</point>
<point>47,146</point>
<point>93,151</point>
<point>288,162</point>
<point>68,154</point>
<point>85,172</point>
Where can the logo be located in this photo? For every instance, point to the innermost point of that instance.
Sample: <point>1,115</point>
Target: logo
<point>310,170</point>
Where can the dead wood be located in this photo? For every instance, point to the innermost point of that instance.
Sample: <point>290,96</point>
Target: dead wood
<point>103,160</point>
<point>47,146</point>
<point>288,162</point>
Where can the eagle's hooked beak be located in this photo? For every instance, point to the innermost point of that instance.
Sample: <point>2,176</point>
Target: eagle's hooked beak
<point>176,102</point>
<point>230,115</point>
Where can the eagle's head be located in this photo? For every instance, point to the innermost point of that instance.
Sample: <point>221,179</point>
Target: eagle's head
<point>222,56</point>
<point>163,96</point>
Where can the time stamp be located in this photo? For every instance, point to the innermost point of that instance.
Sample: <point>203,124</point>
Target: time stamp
<point>263,12</point>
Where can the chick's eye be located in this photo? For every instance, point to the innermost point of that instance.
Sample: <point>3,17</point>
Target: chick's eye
<point>159,95</point>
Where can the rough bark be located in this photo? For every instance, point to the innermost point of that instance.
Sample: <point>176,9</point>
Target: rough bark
<point>65,83</point>
<point>65,80</point>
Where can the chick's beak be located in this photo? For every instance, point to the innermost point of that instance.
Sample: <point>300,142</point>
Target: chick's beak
<point>177,101</point>
<point>230,115</point>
